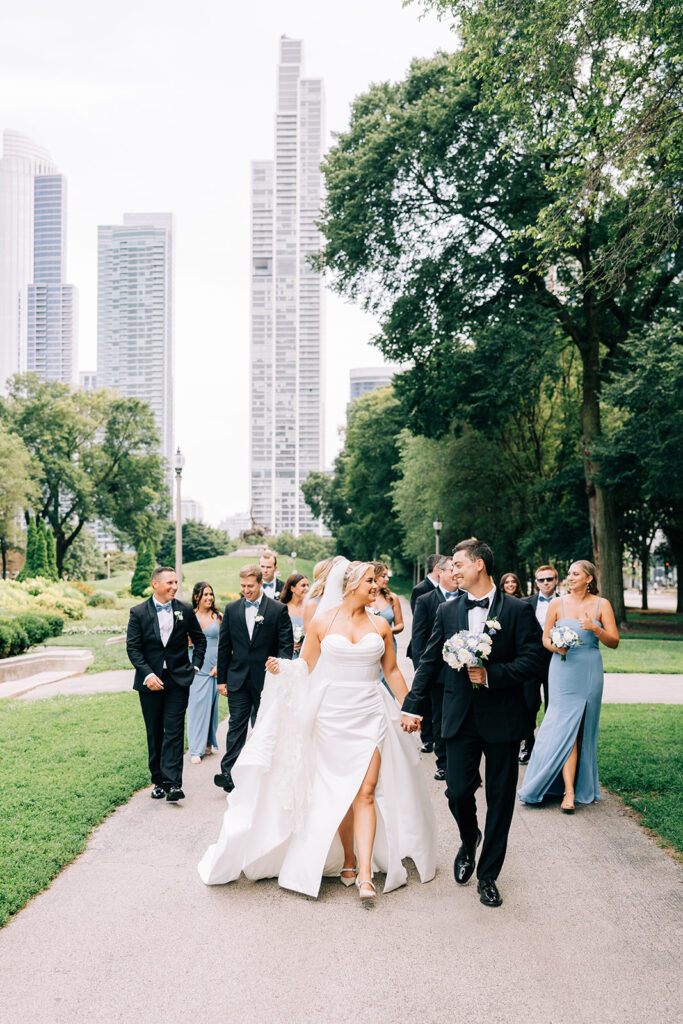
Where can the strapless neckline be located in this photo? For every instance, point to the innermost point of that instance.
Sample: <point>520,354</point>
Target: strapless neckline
<point>342,637</point>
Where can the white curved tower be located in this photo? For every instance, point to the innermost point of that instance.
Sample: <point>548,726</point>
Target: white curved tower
<point>22,161</point>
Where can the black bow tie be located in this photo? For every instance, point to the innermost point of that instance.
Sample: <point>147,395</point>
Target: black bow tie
<point>469,603</point>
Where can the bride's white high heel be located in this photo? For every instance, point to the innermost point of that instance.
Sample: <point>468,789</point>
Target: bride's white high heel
<point>368,898</point>
<point>347,881</point>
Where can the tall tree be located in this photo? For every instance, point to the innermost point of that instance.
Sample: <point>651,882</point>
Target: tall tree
<point>355,503</point>
<point>98,456</point>
<point>51,551</point>
<point>449,209</point>
<point>40,566</point>
<point>18,488</point>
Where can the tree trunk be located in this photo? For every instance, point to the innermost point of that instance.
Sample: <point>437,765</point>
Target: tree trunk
<point>602,514</point>
<point>3,548</point>
<point>674,535</point>
<point>645,571</point>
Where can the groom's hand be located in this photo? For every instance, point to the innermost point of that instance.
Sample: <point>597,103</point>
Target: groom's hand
<point>154,683</point>
<point>477,676</point>
<point>222,689</point>
<point>410,724</point>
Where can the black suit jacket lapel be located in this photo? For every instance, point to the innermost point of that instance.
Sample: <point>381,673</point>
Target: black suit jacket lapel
<point>496,608</point>
<point>461,613</point>
<point>154,617</point>
<point>263,610</point>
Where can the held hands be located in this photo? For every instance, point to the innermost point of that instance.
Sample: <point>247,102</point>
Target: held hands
<point>272,666</point>
<point>410,724</point>
<point>223,689</point>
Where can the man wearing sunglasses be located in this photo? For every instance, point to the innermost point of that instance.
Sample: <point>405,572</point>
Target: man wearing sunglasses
<point>546,590</point>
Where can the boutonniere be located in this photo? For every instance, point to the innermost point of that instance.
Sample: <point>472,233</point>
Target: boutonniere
<point>178,616</point>
<point>493,625</point>
<point>258,620</point>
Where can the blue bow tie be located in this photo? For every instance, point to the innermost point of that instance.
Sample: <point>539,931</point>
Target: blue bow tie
<point>252,604</point>
<point>449,596</point>
<point>541,598</point>
<point>163,607</point>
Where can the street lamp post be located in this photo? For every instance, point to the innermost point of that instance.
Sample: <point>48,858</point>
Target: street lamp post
<point>178,463</point>
<point>108,558</point>
<point>437,530</point>
<point>293,561</point>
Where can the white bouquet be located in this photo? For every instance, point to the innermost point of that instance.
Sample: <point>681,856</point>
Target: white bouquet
<point>467,649</point>
<point>299,634</point>
<point>564,637</point>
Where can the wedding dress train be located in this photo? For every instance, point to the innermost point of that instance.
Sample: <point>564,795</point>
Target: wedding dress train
<point>303,765</point>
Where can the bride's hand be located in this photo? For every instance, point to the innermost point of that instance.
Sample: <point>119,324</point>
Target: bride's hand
<point>272,666</point>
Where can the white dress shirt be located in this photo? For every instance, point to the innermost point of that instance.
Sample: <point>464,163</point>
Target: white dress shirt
<point>269,588</point>
<point>165,620</point>
<point>476,619</point>
<point>250,615</point>
<point>542,610</point>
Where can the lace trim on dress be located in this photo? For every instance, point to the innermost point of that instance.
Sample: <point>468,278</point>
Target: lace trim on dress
<point>292,770</point>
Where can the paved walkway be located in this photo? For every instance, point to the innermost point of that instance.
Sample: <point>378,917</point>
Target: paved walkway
<point>589,931</point>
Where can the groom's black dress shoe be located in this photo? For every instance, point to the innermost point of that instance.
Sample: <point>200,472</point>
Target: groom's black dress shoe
<point>224,782</point>
<point>158,793</point>
<point>440,775</point>
<point>525,753</point>
<point>488,893</point>
<point>463,866</point>
<point>427,748</point>
<point>175,793</point>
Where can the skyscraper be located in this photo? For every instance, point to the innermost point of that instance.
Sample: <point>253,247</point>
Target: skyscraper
<point>49,311</point>
<point>32,251</point>
<point>287,300</point>
<point>135,314</point>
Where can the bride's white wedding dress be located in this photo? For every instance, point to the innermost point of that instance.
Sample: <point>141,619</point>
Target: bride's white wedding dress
<point>303,765</point>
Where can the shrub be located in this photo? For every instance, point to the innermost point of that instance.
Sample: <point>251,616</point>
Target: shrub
<point>55,622</point>
<point>13,639</point>
<point>70,606</point>
<point>102,599</point>
<point>36,627</point>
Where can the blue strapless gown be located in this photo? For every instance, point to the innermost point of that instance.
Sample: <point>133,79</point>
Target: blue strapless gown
<point>388,614</point>
<point>202,706</point>
<point>575,690</point>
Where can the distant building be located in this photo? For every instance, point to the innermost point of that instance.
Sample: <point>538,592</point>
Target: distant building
<point>369,378</point>
<point>38,310</point>
<point>135,314</point>
<point>233,525</point>
<point>87,380</point>
<point>191,509</point>
<point>287,300</point>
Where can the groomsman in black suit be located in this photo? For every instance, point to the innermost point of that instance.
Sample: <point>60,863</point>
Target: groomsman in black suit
<point>426,608</point>
<point>253,629</point>
<point>156,643</point>
<point>270,584</point>
<point>483,710</point>
<point>546,590</point>
<point>426,586</point>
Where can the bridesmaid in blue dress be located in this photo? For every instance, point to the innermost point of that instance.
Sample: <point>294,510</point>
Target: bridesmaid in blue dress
<point>293,595</point>
<point>564,761</point>
<point>202,706</point>
<point>387,605</point>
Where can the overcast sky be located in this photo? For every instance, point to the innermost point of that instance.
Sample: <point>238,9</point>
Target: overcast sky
<point>157,105</point>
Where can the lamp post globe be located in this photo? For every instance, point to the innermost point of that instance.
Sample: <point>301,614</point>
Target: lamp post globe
<point>178,463</point>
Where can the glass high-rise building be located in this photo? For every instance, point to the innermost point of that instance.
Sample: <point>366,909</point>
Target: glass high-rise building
<point>287,304</point>
<point>37,309</point>
<point>135,347</point>
<point>49,317</point>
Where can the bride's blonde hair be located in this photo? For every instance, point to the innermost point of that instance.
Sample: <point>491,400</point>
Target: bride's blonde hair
<point>353,576</point>
<point>321,571</point>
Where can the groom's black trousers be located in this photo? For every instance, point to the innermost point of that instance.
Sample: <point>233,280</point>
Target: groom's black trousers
<point>164,715</point>
<point>243,705</point>
<point>463,758</point>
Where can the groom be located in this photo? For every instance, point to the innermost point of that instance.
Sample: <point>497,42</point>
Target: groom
<point>253,629</point>
<point>484,711</point>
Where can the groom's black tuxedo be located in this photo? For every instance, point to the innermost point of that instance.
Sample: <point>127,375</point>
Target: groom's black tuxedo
<point>242,664</point>
<point>490,720</point>
<point>164,710</point>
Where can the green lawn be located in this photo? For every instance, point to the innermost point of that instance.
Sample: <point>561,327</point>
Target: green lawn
<point>67,763</point>
<point>644,656</point>
<point>640,759</point>
<point>222,572</point>
<point>108,657</point>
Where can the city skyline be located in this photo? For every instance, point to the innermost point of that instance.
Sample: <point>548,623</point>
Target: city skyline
<point>150,121</point>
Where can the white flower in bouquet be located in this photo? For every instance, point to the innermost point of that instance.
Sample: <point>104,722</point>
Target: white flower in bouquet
<point>467,649</point>
<point>564,637</point>
<point>299,634</point>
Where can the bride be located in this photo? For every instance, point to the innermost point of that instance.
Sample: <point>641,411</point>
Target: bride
<point>327,756</point>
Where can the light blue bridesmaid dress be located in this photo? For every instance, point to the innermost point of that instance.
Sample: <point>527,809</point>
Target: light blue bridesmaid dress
<point>575,695</point>
<point>388,614</point>
<point>202,706</point>
<point>297,620</point>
